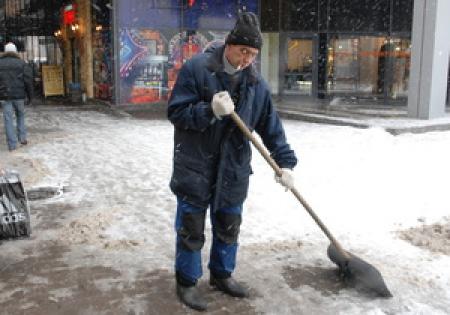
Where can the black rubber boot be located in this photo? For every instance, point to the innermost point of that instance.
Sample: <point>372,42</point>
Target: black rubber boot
<point>191,297</point>
<point>229,286</point>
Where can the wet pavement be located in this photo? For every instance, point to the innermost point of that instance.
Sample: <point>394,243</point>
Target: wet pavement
<point>42,282</point>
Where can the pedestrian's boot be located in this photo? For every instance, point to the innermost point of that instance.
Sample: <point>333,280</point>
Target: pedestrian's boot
<point>191,297</point>
<point>229,286</point>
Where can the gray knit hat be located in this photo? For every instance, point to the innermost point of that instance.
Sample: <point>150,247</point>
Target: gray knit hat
<point>246,31</point>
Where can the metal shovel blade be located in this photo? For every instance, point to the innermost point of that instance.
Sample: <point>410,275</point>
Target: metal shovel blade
<point>359,273</point>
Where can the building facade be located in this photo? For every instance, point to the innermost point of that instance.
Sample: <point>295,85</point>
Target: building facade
<point>30,25</point>
<point>313,48</point>
<point>339,47</point>
<point>130,51</point>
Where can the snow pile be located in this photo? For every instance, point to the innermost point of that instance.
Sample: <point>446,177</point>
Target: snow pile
<point>434,237</point>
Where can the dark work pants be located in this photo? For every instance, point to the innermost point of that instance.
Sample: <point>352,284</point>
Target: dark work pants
<point>189,225</point>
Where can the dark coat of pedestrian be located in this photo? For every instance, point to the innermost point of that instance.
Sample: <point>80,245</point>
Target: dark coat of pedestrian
<point>211,162</point>
<point>16,85</point>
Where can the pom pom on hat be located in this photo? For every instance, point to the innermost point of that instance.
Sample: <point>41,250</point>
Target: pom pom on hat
<point>10,47</point>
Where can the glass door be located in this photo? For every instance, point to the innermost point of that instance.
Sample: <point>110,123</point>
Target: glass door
<point>298,75</point>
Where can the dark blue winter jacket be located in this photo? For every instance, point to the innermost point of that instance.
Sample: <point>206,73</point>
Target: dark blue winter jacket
<point>211,162</point>
<point>16,78</point>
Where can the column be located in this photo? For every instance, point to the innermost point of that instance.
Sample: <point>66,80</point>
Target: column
<point>269,60</point>
<point>86,61</point>
<point>430,59</point>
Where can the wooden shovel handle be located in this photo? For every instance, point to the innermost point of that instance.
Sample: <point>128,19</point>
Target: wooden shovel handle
<point>241,125</point>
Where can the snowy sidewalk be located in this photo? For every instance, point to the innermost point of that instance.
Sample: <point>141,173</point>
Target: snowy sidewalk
<point>393,119</point>
<point>105,245</point>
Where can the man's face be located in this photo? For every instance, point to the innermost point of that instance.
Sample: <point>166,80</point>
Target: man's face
<point>240,56</point>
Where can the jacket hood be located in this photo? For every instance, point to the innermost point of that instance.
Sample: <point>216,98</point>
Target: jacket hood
<point>213,46</point>
<point>10,54</point>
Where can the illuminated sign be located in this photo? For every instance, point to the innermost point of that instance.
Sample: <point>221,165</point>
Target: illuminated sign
<point>69,14</point>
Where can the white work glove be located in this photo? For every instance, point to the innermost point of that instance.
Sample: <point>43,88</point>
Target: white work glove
<point>286,179</point>
<point>222,104</point>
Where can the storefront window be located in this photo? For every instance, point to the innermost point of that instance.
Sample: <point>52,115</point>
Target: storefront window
<point>151,59</point>
<point>183,46</point>
<point>102,52</point>
<point>343,72</point>
<point>369,65</point>
<point>155,41</point>
<point>299,15</point>
<point>358,16</point>
<point>393,67</point>
<point>143,66</point>
<point>298,73</point>
<point>402,13</point>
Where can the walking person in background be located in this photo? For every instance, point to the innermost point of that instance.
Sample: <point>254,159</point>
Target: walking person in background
<point>16,84</point>
<point>211,163</point>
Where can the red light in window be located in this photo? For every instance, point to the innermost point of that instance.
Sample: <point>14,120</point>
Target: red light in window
<point>69,17</point>
<point>191,3</point>
<point>69,14</point>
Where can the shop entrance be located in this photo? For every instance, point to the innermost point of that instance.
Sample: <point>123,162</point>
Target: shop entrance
<point>31,26</point>
<point>298,74</point>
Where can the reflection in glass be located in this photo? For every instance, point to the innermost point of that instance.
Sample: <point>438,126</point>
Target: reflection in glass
<point>401,67</point>
<point>369,65</point>
<point>298,75</point>
<point>343,67</point>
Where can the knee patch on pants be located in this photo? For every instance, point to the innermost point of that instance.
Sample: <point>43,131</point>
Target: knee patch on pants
<point>227,227</point>
<point>191,233</point>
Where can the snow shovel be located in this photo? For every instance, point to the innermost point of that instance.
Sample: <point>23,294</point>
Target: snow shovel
<point>352,269</point>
